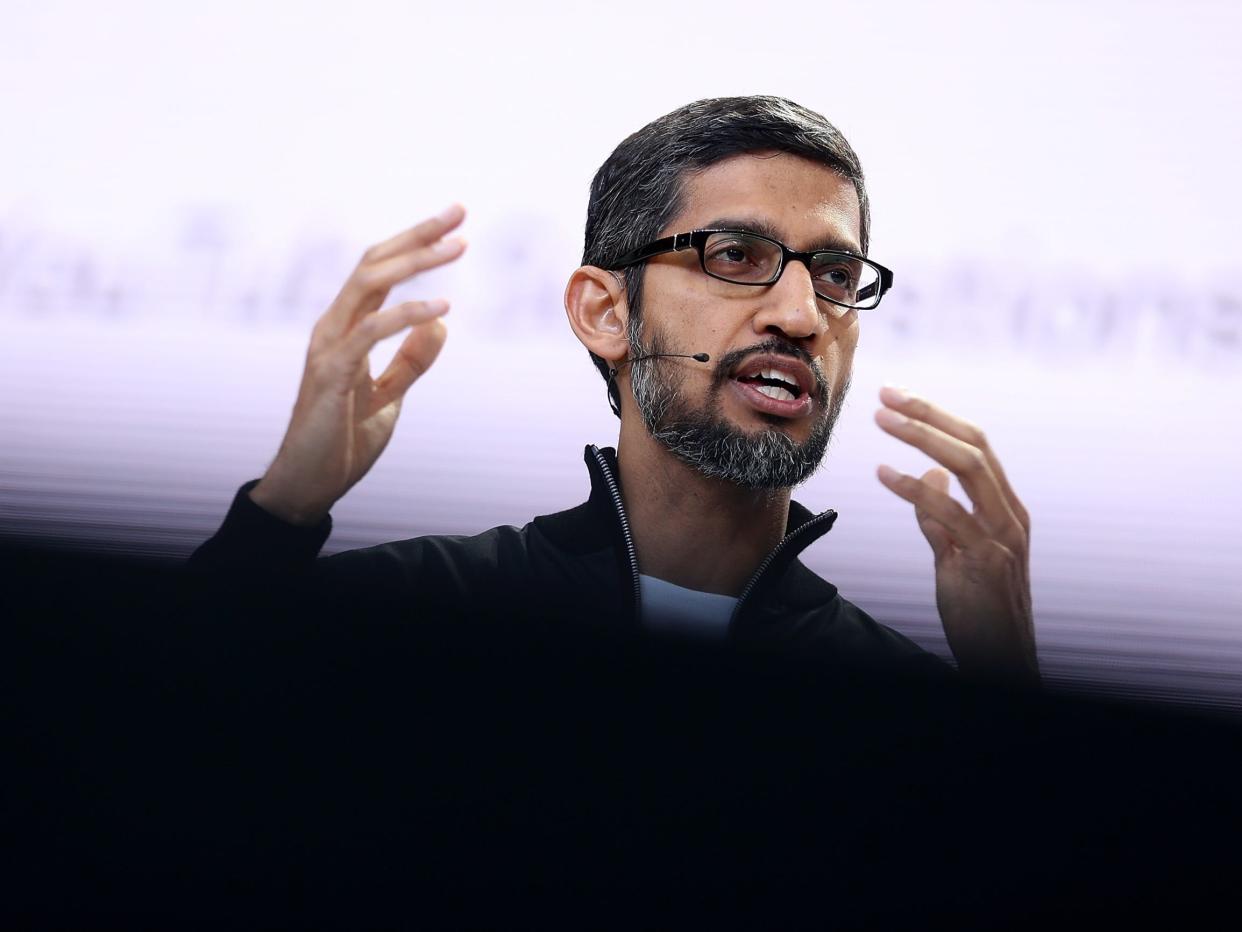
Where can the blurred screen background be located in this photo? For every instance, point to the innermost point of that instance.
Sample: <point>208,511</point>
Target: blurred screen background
<point>184,188</point>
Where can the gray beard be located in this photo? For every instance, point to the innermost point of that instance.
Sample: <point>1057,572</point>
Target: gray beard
<point>704,439</point>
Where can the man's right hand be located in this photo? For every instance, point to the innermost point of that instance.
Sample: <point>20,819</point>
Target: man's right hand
<point>343,418</point>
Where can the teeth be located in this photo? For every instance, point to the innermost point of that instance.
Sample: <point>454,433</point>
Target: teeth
<point>773,391</point>
<point>778,375</point>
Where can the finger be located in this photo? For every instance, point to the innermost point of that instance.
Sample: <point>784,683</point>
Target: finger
<point>936,533</point>
<point>967,462</point>
<point>383,324</point>
<point>368,286</point>
<point>414,357</point>
<point>938,479</point>
<point>389,263</point>
<point>423,234</point>
<point>963,527</point>
<point>923,410</point>
<point>938,536</point>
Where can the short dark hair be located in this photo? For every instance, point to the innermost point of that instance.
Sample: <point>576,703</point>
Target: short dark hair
<point>639,189</point>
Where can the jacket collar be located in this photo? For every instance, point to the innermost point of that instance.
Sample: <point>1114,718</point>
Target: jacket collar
<point>802,528</point>
<point>600,495</point>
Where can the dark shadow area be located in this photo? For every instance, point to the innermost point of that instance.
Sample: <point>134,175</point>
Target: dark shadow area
<point>179,757</point>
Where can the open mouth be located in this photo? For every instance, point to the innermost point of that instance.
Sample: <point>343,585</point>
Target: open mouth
<point>774,384</point>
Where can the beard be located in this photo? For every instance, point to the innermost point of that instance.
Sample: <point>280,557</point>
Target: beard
<point>706,440</point>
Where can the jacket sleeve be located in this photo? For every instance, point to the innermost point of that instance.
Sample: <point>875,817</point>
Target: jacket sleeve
<point>252,540</point>
<point>258,563</point>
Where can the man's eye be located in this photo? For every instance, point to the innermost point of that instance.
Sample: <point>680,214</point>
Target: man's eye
<point>839,276</point>
<point>731,253</point>
<point>741,259</point>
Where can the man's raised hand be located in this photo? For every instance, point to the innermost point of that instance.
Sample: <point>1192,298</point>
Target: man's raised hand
<point>982,556</point>
<point>343,418</point>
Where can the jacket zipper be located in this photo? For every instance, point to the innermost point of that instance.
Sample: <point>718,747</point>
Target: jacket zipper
<point>630,551</point>
<point>826,517</point>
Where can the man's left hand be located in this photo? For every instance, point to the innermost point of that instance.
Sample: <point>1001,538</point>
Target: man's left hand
<point>982,557</point>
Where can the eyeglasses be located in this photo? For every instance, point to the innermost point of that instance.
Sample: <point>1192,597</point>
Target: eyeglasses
<point>750,259</point>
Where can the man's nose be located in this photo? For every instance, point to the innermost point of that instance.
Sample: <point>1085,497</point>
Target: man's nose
<point>791,305</point>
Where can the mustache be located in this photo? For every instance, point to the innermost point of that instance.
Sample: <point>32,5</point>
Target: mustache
<point>776,346</point>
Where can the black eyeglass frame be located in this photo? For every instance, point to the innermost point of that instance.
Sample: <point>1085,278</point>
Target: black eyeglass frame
<point>697,239</point>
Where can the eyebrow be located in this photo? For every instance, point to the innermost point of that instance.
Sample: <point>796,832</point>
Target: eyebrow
<point>764,228</point>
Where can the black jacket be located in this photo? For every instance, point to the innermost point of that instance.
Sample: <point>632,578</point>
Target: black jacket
<point>572,571</point>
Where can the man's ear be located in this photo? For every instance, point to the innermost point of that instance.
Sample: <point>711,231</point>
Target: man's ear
<point>596,306</point>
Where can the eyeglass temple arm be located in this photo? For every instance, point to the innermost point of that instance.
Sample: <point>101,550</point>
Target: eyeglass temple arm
<point>668,244</point>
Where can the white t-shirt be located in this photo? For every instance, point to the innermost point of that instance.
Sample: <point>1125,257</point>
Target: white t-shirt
<point>672,609</point>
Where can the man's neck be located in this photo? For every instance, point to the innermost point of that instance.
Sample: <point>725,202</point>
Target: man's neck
<point>700,533</point>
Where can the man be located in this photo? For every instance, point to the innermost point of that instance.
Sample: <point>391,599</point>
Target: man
<point>720,296</point>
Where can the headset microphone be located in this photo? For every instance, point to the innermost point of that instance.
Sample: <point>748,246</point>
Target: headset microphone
<point>612,373</point>
<point>697,357</point>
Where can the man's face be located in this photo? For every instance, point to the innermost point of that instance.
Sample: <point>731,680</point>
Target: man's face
<point>727,418</point>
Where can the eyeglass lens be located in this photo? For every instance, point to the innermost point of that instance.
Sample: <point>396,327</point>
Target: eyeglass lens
<point>753,260</point>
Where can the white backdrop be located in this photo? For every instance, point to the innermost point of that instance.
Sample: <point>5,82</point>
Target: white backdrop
<point>182,188</point>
